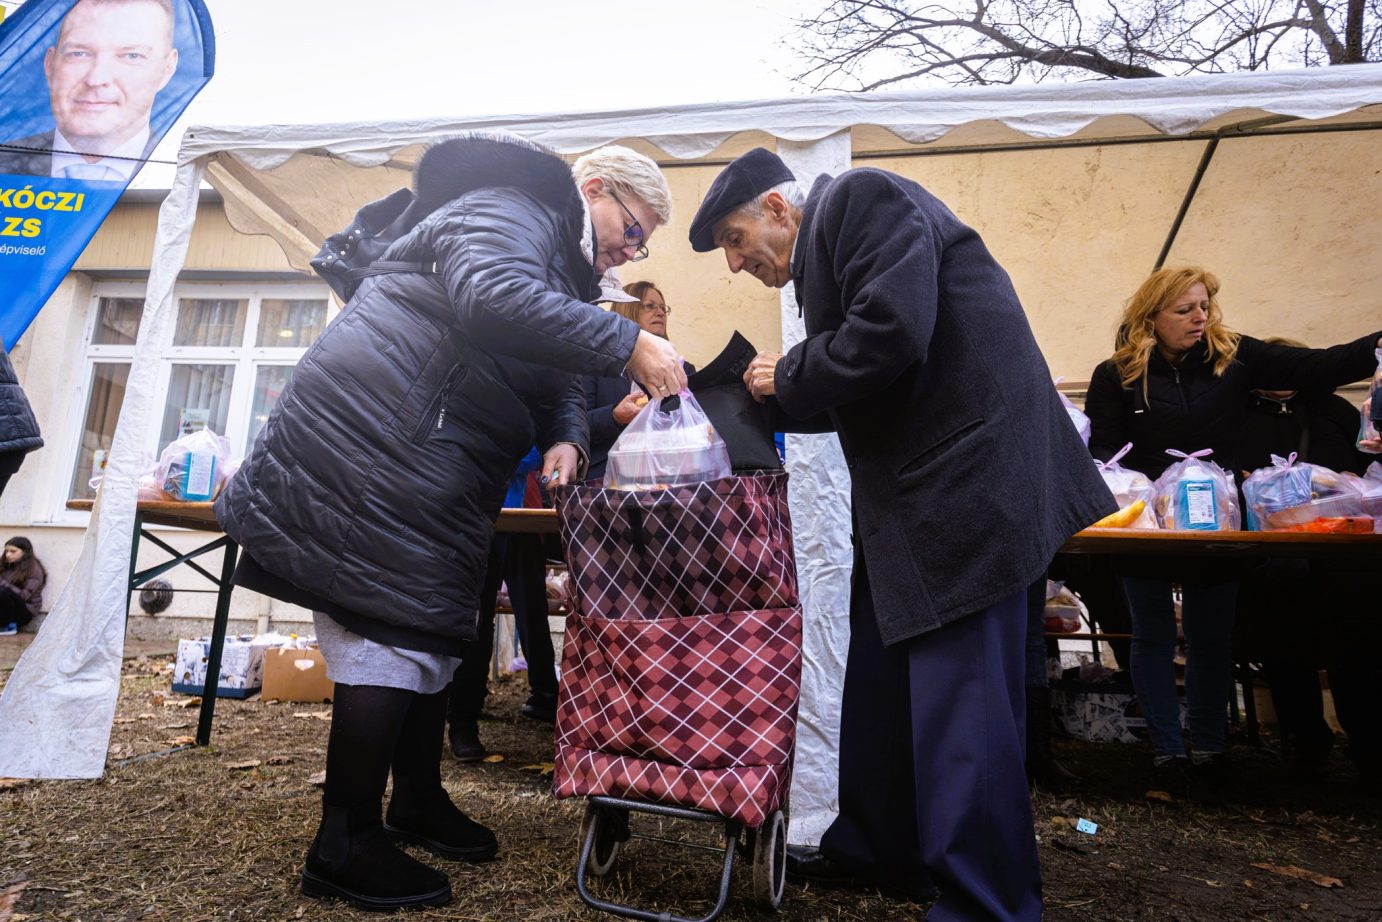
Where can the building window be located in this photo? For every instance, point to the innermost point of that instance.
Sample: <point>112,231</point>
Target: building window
<point>228,358</point>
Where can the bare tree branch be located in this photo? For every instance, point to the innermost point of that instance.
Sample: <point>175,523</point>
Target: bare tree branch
<point>868,44</point>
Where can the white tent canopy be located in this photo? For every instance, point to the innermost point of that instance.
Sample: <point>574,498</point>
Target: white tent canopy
<point>299,183</point>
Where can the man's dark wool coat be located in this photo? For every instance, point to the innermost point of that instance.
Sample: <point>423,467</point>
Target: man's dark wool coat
<point>967,472</point>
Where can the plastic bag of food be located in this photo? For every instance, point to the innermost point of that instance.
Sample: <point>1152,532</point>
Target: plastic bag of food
<point>1370,417</point>
<point>669,443</point>
<point>1196,494</point>
<point>1082,423</point>
<point>1287,495</point>
<point>1129,487</point>
<point>192,468</point>
<point>1063,609</point>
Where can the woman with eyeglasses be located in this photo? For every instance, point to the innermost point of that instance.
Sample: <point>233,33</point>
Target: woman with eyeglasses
<point>612,402</point>
<point>371,494</point>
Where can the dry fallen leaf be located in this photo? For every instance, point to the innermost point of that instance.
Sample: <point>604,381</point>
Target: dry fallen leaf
<point>185,703</point>
<point>241,766</point>
<point>1162,796</point>
<point>319,715</point>
<point>183,741</point>
<point>279,760</point>
<point>539,768</point>
<point>1290,870</point>
<point>9,784</point>
<point>147,715</point>
<point>124,720</point>
<point>317,779</point>
<point>494,757</point>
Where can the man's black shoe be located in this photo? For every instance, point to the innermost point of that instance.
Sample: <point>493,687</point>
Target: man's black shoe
<point>540,707</point>
<point>465,743</point>
<point>809,865</point>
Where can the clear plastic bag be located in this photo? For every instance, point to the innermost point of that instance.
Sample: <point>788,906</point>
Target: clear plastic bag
<point>669,447</point>
<point>1196,494</point>
<point>1082,424</point>
<point>1287,495</point>
<point>1369,438</point>
<point>193,467</point>
<point>1129,487</point>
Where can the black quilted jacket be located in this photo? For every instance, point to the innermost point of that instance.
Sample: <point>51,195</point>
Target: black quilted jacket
<point>376,482</point>
<point>18,428</point>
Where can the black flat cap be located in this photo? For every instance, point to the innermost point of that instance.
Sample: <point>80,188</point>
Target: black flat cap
<point>746,178</point>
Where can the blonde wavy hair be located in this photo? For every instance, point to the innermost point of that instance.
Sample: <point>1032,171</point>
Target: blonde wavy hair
<point>1136,337</point>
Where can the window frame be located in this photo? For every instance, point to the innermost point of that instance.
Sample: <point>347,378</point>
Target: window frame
<point>246,359</point>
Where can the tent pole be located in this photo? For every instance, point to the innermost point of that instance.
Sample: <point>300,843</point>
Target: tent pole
<point>1208,155</point>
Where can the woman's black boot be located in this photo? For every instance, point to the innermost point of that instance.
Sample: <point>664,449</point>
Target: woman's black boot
<point>420,811</point>
<point>352,859</point>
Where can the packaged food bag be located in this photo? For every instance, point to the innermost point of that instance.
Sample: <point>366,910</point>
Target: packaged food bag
<point>1129,488</point>
<point>669,443</point>
<point>192,468</point>
<point>1196,494</point>
<point>1082,423</point>
<point>1370,422</point>
<point>1063,611</point>
<point>1289,495</point>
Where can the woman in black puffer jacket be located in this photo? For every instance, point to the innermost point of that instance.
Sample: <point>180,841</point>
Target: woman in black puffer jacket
<point>371,493</point>
<point>1180,379</point>
<point>18,428</point>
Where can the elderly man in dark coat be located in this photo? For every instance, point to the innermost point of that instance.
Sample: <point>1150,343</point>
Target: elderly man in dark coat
<point>967,476</point>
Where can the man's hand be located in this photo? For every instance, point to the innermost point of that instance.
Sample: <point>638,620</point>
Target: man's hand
<point>760,378</point>
<point>560,463</point>
<point>657,365</point>
<point>625,410</point>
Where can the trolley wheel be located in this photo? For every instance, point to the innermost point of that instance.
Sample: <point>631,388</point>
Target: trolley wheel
<point>770,861</point>
<point>610,832</point>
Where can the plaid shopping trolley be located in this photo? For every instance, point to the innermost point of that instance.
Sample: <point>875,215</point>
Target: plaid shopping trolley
<point>681,669</point>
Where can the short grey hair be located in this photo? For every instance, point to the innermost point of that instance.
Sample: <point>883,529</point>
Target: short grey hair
<point>793,192</point>
<point>630,175</point>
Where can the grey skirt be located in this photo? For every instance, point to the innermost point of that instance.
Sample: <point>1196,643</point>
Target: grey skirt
<point>354,660</point>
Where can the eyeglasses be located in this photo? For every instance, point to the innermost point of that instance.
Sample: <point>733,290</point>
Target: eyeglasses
<point>655,308</point>
<point>633,233</point>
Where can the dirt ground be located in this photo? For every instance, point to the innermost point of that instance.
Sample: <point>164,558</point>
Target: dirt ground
<point>219,834</point>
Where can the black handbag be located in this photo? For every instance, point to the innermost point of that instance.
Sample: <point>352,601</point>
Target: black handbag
<point>741,421</point>
<point>352,255</point>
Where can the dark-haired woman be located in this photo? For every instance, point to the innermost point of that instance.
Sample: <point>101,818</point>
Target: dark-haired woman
<point>22,578</point>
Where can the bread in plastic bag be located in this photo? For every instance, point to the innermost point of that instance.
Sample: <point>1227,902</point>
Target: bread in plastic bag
<point>193,467</point>
<point>1195,494</point>
<point>1129,486</point>
<point>669,443</point>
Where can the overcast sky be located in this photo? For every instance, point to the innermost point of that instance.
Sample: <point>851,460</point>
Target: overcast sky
<point>314,61</point>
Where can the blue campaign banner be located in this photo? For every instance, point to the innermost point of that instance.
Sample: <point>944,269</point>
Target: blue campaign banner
<point>91,86</point>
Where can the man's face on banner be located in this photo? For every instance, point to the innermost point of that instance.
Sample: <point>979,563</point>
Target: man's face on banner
<point>110,61</point>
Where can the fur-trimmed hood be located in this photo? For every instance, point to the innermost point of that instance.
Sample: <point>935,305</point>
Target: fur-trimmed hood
<point>451,168</point>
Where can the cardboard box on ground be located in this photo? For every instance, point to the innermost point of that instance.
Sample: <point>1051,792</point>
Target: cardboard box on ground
<point>242,666</point>
<point>296,675</point>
